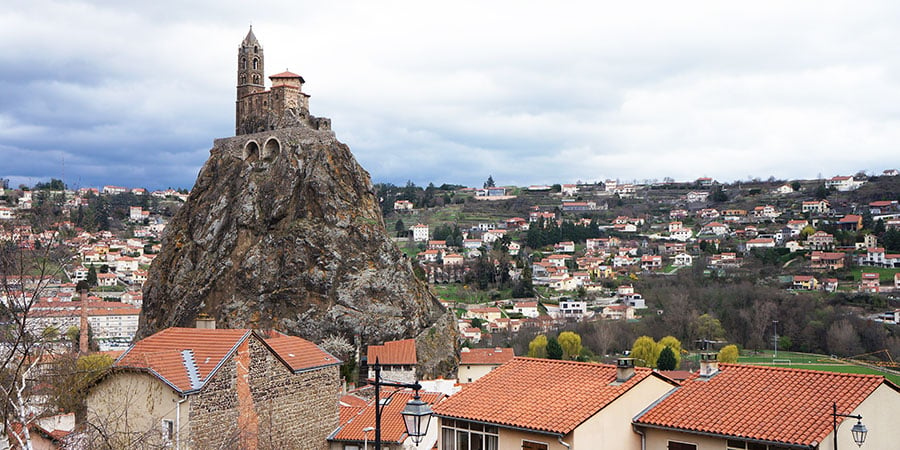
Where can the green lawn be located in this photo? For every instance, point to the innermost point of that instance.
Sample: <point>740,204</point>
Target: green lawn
<point>885,275</point>
<point>812,362</point>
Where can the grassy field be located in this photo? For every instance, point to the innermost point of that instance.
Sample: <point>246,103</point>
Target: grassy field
<point>456,292</point>
<point>885,275</point>
<point>812,362</point>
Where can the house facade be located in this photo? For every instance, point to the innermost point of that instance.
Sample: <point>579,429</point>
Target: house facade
<point>207,388</point>
<point>769,408</point>
<point>541,404</point>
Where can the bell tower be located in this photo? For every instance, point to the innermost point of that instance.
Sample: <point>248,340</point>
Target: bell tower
<point>250,66</point>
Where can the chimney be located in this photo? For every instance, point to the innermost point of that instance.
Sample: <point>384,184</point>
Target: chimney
<point>624,369</point>
<point>205,322</point>
<point>83,341</point>
<point>709,365</point>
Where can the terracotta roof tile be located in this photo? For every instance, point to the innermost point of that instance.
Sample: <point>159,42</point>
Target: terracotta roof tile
<point>393,353</point>
<point>162,353</point>
<point>790,406</point>
<point>392,426</point>
<point>539,394</point>
<point>477,356</point>
<point>300,354</point>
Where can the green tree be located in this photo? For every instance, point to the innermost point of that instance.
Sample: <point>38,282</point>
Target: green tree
<point>537,348</point>
<point>570,343</point>
<point>490,182</point>
<point>400,228</point>
<point>666,359</point>
<point>821,192</point>
<point>672,343</point>
<point>645,351</point>
<point>92,276</point>
<point>796,185</point>
<point>708,327</point>
<point>554,350</point>
<point>728,354</point>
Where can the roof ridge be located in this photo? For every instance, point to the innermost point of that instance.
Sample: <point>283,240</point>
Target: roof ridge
<point>792,369</point>
<point>187,358</point>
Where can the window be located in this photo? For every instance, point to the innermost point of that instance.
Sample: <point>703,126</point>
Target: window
<point>351,447</point>
<point>681,446</point>
<point>733,444</point>
<point>255,63</point>
<point>528,445</point>
<point>243,63</point>
<point>462,435</point>
<point>168,429</point>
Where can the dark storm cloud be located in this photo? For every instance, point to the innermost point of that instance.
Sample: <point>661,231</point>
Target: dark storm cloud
<point>133,93</point>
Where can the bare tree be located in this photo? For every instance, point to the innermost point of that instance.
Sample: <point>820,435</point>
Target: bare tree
<point>29,262</point>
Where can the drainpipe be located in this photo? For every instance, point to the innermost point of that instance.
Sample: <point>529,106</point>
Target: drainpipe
<point>559,438</point>
<point>178,422</point>
<point>643,437</point>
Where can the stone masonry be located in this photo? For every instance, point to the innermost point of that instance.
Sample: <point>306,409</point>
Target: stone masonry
<point>291,410</point>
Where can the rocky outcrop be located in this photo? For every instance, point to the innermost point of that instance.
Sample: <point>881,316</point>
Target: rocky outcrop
<point>283,230</point>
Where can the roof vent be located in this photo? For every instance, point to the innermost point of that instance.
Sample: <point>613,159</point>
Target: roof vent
<point>624,369</point>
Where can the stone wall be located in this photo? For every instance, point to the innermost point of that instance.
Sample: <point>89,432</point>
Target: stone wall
<point>290,410</point>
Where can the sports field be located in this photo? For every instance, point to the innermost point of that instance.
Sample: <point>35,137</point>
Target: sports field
<point>813,362</point>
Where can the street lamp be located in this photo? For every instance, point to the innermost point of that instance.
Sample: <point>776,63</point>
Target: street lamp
<point>416,415</point>
<point>366,431</point>
<point>858,431</point>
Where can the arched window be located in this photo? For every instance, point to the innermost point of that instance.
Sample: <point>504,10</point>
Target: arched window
<point>255,64</point>
<point>243,78</point>
<point>255,49</point>
<point>243,63</point>
<point>255,78</point>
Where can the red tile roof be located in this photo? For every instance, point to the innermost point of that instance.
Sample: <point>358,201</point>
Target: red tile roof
<point>173,353</point>
<point>392,426</point>
<point>540,394</point>
<point>393,353</point>
<point>162,354</point>
<point>476,356</point>
<point>790,406</point>
<point>285,74</point>
<point>300,354</point>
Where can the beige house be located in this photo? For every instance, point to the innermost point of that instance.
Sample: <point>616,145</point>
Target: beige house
<point>770,408</point>
<point>475,363</point>
<point>206,388</point>
<point>542,404</point>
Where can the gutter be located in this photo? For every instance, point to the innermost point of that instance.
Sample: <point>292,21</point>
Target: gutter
<point>725,436</point>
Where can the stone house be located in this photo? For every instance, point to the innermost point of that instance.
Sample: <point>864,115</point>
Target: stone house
<point>542,404</point>
<point>218,388</point>
<point>397,358</point>
<point>774,408</point>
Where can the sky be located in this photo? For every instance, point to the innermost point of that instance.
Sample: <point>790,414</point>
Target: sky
<point>132,93</point>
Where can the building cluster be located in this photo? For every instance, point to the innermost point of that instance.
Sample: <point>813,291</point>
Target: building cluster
<point>205,387</point>
<point>111,266</point>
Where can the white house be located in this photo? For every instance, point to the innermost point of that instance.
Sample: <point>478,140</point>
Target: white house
<point>420,232</point>
<point>684,259</point>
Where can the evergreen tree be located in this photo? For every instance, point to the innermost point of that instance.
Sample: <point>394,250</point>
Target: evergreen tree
<point>554,350</point>
<point>666,360</point>
<point>92,276</point>
<point>490,182</point>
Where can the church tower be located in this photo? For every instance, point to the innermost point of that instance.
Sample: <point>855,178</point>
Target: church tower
<point>250,66</point>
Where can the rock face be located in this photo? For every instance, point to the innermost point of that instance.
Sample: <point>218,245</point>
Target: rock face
<point>282,230</point>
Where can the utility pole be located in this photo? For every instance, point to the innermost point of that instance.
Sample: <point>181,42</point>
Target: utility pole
<point>775,322</point>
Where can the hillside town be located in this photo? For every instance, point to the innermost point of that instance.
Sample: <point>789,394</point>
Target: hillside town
<point>577,254</point>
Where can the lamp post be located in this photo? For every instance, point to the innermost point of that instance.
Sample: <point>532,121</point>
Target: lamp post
<point>416,415</point>
<point>366,431</point>
<point>859,430</point>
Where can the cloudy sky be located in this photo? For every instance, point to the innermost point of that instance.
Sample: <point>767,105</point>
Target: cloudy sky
<point>133,92</point>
